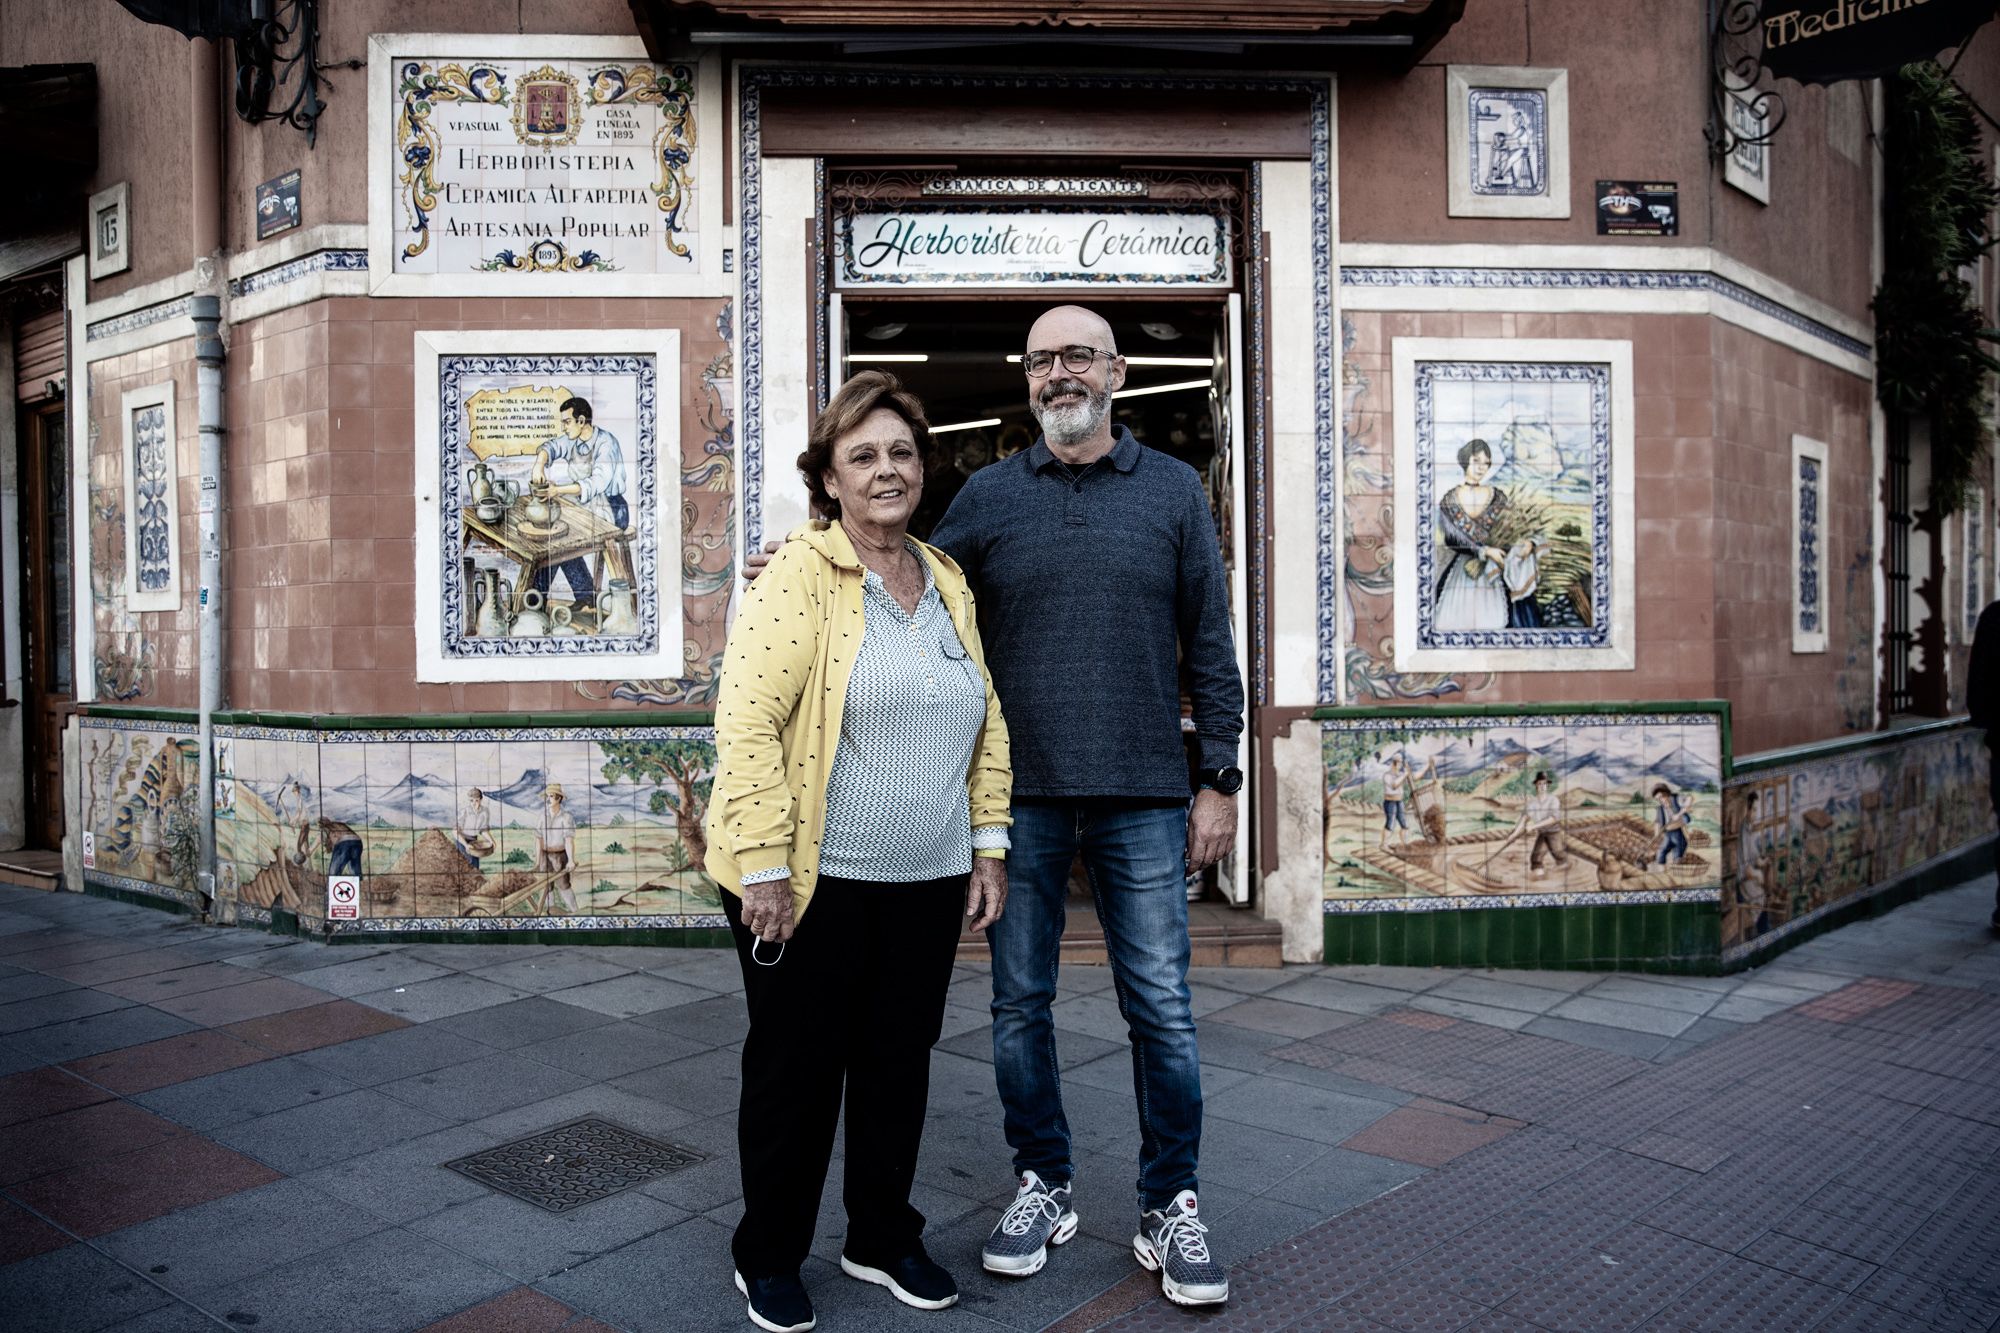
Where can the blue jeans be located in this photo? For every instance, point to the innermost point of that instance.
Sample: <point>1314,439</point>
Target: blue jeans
<point>346,857</point>
<point>1136,862</point>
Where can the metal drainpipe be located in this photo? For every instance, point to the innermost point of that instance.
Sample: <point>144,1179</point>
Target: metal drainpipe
<point>204,118</point>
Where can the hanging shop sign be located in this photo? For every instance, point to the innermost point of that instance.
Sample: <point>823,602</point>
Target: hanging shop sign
<point>947,246</point>
<point>1638,208</point>
<point>1828,41</point>
<point>537,166</point>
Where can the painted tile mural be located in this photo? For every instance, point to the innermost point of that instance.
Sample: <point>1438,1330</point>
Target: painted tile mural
<point>1509,147</point>
<point>141,806</point>
<point>1528,810</point>
<point>505,829</point>
<point>1804,838</point>
<point>1513,480</point>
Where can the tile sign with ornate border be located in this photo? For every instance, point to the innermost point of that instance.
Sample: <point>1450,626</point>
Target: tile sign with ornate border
<point>1508,149</point>
<point>932,245</point>
<point>539,166</point>
<point>1808,545</point>
<point>548,532</point>
<point>1513,505</point>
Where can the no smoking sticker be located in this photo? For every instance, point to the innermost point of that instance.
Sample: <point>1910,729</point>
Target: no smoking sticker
<point>343,898</point>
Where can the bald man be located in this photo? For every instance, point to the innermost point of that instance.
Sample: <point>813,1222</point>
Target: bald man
<point>1098,573</point>
<point>1099,580</point>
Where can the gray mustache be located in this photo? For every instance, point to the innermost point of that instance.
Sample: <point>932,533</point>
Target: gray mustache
<point>1055,387</point>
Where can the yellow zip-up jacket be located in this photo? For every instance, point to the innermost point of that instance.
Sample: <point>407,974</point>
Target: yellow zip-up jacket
<point>784,686</point>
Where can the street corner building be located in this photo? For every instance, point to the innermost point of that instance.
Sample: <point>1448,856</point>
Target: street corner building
<point>391,411</point>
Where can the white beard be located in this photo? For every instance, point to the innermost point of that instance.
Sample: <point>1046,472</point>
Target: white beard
<point>1064,426</point>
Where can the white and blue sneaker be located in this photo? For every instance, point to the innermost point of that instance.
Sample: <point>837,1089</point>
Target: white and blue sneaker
<point>1173,1243</point>
<point>1039,1217</point>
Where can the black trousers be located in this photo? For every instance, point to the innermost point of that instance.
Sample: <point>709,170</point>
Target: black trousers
<point>856,998</point>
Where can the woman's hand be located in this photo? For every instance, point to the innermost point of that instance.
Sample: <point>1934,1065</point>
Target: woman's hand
<point>1494,554</point>
<point>986,895</point>
<point>767,909</point>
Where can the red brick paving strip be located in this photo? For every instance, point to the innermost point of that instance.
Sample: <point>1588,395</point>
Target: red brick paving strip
<point>309,1029</point>
<point>1427,1133</point>
<point>45,1091</point>
<point>156,1064</point>
<point>23,1236</point>
<point>75,1138</point>
<point>522,1310</point>
<point>177,1173</point>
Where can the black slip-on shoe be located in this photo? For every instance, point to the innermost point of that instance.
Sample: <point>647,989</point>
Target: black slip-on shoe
<point>913,1279</point>
<point>777,1304</point>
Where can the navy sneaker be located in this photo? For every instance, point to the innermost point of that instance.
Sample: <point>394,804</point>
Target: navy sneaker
<point>778,1304</point>
<point>912,1279</point>
<point>1039,1217</point>
<point>1173,1243</point>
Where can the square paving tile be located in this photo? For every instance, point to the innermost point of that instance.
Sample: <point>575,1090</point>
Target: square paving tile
<point>34,1093</point>
<point>441,997</point>
<point>174,1173</point>
<point>226,1240</point>
<point>393,1279</point>
<point>483,1086</point>
<point>339,975</point>
<point>60,1007</point>
<point>408,1179</point>
<point>708,1084</point>
<point>73,1288</point>
<point>1290,1108</point>
<point>112,1030</point>
<point>522,1310</point>
<point>1622,1014</point>
<point>522,1022</point>
<point>119,967</point>
<point>555,970</point>
<point>610,1051</point>
<point>1424,1136</point>
<point>388,1056</point>
<point>319,1133</point>
<point>75,1138</point>
<point>631,995</point>
<point>717,1022</point>
<point>528,1243</point>
<point>189,980</point>
<point>23,1235</point>
<point>314,1026</point>
<point>235,1095</point>
<point>233,1004</point>
<point>1277,1017</point>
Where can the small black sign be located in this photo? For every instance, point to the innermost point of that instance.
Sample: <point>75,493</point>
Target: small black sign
<point>1827,41</point>
<point>278,205</point>
<point>1638,208</point>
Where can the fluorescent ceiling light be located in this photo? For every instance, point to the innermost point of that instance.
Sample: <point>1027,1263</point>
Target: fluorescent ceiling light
<point>966,425</point>
<point>1175,387</point>
<point>1203,361</point>
<point>890,356</point>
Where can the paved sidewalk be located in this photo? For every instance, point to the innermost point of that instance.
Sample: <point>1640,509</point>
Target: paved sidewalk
<point>206,1129</point>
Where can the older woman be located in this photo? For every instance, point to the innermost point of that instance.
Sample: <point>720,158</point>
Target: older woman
<point>861,801</point>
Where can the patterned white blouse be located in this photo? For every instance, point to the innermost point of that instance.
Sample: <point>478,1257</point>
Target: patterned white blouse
<point>897,810</point>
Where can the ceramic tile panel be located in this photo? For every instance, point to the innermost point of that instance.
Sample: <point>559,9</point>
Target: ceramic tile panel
<point>1530,809</point>
<point>398,808</point>
<point>1802,839</point>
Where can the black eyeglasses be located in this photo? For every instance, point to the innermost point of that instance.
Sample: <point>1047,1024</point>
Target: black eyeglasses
<point>1075,360</point>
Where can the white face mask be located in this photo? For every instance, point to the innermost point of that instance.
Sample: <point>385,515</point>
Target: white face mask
<point>759,961</point>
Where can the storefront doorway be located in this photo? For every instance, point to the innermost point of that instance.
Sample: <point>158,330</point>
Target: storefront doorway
<point>961,355</point>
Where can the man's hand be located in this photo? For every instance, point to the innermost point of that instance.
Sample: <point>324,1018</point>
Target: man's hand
<point>754,562</point>
<point>986,896</point>
<point>1211,829</point>
<point>767,909</point>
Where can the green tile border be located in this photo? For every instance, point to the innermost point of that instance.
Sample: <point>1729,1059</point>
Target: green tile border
<point>171,906</point>
<point>700,937</point>
<point>1635,937</point>
<point>1816,750</point>
<point>636,717</point>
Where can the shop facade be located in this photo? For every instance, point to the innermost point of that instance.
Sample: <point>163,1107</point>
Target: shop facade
<point>1661,671</point>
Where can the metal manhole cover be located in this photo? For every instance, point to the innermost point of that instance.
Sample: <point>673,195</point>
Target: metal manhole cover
<point>574,1164</point>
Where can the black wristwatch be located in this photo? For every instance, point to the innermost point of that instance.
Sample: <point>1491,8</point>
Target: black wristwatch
<point>1228,781</point>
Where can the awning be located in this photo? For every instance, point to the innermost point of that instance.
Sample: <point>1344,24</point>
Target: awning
<point>1406,27</point>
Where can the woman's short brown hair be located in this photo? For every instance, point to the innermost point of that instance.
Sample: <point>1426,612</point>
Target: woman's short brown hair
<point>848,408</point>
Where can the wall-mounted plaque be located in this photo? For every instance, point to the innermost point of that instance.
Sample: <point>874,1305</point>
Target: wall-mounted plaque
<point>950,245</point>
<point>111,230</point>
<point>277,205</point>
<point>543,166</point>
<point>1638,208</point>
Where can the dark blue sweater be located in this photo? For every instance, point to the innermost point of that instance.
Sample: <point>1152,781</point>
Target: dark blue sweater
<point>1085,590</point>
